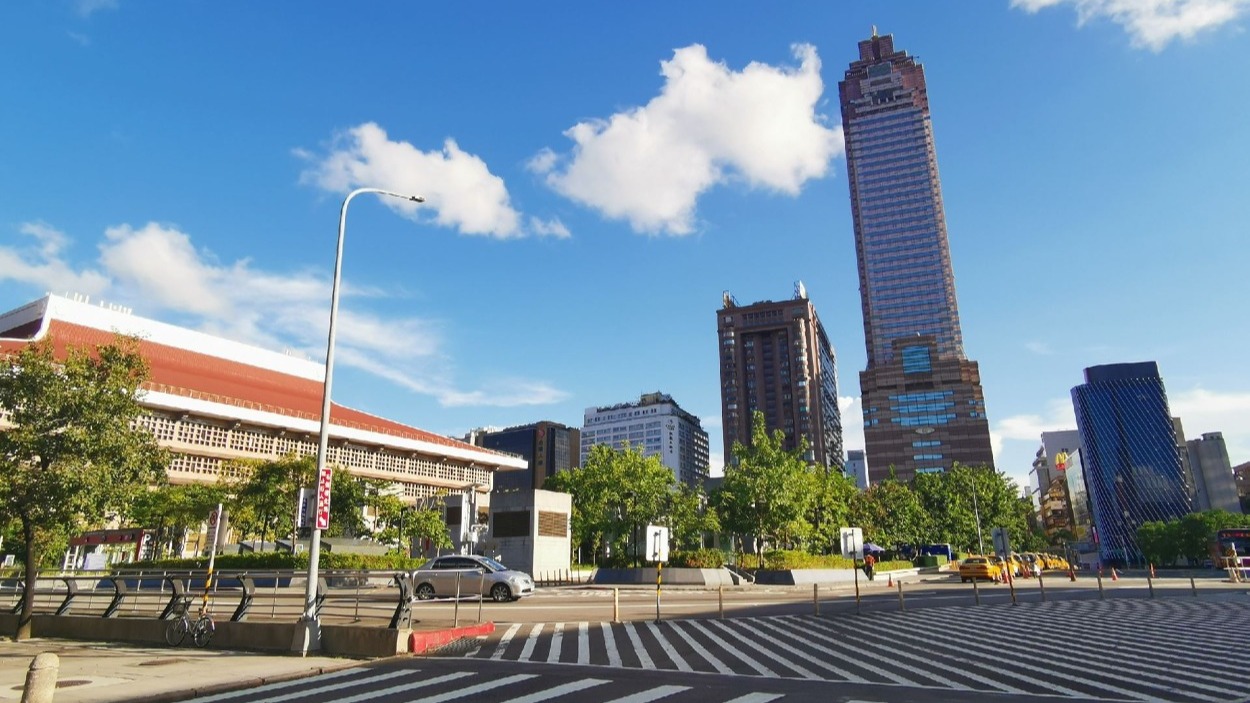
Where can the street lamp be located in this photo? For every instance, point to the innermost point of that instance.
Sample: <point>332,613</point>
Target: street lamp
<point>308,637</point>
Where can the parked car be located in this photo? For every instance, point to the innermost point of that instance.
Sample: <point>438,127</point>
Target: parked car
<point>478,575</point>
<point>978,567</point>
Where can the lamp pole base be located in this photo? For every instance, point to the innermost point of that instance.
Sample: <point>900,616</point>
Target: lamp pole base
<point>307,637</point>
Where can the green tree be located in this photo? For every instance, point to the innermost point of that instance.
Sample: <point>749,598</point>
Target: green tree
<point>1196,530</point>
<point>73,453</point>
<point>767,492</point>
<point>172,510</point>
<point>264,494</point>
<point>1159,542</point>
<point>689,516</point>
<point>891,514</point>
<point>830,510</point>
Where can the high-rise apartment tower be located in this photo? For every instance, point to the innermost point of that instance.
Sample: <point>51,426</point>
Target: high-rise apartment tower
<point>923,405</point>
<point>776,358</point>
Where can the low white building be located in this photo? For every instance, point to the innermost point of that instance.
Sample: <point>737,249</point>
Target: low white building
<point>658,426</point>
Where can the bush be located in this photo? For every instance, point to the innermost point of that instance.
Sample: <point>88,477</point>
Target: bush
<point>784,560</point>
<point>698,559</point>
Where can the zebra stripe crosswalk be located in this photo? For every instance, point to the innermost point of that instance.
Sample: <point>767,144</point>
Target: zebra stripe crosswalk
<point>1148,650</point>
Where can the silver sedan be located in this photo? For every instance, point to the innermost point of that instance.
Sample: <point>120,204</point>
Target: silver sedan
<point>480,575</point>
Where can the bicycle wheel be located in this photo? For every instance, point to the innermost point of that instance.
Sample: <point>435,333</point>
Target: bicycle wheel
<point>203,632</point>
<point>176,631</point>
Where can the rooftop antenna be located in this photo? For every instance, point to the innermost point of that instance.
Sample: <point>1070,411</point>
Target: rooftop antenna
<point>874,31</point>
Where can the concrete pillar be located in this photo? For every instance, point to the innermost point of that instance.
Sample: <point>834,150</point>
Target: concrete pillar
<point>41,678</point>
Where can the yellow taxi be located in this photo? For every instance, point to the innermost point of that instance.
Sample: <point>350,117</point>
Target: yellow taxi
<point>979,567</point>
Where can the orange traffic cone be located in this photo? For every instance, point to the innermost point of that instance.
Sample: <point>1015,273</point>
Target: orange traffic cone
<point>1114,575</point>
<point>891,583</point>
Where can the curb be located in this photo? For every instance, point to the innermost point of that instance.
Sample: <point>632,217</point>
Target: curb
<point>422,642</point>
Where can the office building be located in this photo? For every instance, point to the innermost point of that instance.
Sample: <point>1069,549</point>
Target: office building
<point>549,447</point>
<point>1214,487</point>
<point>776,359</point>
<point>657,425</point>
<point>857,467</point>
<point>1131,463</point>
<point>924,408</point>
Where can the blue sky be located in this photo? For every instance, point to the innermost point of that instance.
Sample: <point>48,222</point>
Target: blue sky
<point>597,174</point>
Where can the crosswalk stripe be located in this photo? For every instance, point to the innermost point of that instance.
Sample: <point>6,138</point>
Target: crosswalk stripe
<point>825,665</point>
<point>759,648</point>
<point>640,651</point>
<point>667,646</point>
<point>609,644</point>
<point>405,687</point>
<point>885,665</point>
<point>503,641</point>
<point>756,698</point>
<point>583,644</point>
<point>653,694</point>
<point>470,691</point>
<point>699,649</point>
<point>528,648</point>
<point>570,687</point>
<point>758,667</point>
<point>557,638</point>
<point>277,686</point>
<point>303,693</point>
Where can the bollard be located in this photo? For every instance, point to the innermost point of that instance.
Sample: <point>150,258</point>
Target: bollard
<point>455,618</point>
<point>1150,583</point>
<point>1041,586</point>
<point>481,595</point>
<point>901,605</point>
<point>976,592</point>
<point>616,605</point>
<point>41,678</point>
<point>720,600</point>
<point>1100,595</point>
<point>1193,586</point>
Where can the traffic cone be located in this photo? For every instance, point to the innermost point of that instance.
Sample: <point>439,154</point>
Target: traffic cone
<point>1114,575</point>
<point>891,583</point>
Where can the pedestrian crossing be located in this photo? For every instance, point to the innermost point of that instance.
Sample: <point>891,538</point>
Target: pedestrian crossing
<point>416,684</point>
<point>1141,650</point>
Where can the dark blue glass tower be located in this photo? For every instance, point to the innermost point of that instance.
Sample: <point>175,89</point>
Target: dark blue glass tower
<point>1132,463</point>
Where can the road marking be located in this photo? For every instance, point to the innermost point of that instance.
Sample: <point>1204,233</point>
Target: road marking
<point>643,658</point>
<point>756,698</point>
<point>461,693</point>
<point>758,667</point>
<point>668,648</point>
<point>557,638</point>
<point>332,687</point>
<point>528,648</point>
<point>277,686</point>
<point>571,687</point>
<point>653,694</point>
<point>787,663</point>
<point>583,644</point>
<point>609,644</point>
<point>700,650</point>
<point>408,686</point>
<point>841,673</point>
<point>503,641</point>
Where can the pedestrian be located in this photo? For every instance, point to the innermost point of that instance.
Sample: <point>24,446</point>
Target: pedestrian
<point>869,562</point>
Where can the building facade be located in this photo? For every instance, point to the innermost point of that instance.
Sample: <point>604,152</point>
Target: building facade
<point>212,402</point>
<point>1131,463</point>
<point>857,467</point>
<point>549,447</point>
<point>924,408</point>
<point>657,425</point>
<point>1214,487</point>
<point>776,358</point>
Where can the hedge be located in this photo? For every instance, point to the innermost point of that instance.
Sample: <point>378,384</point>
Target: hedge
<point>698,559</point>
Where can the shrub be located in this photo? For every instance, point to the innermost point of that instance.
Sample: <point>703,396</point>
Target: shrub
<point>784,560</point>
<point>698,559</point>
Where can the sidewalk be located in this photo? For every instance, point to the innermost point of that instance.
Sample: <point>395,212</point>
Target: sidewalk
<point>97,672</point>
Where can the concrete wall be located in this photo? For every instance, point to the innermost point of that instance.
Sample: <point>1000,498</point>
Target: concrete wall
<point>675,576</point>
<point>533,553</point>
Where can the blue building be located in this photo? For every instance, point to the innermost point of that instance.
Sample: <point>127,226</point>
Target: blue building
<point>1131,460</point>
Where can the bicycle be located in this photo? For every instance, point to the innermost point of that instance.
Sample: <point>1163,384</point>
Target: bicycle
<point>201,630</point>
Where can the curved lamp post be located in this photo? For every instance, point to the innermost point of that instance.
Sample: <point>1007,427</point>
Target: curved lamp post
<point>308,637</point>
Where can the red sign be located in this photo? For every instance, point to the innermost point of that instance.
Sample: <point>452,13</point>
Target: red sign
<point>323,499</point>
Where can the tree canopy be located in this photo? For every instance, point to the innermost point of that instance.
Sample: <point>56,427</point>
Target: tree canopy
<point>74,455</point>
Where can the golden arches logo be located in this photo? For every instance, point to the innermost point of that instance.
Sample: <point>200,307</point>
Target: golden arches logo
<point>1061,461</point>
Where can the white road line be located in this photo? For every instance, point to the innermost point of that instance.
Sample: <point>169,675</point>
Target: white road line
<point>404,687</point>
<point>332,687</point>
<point>609,644</point>
<point>759,668</point>
<point>643,658</point>
<point>503,641</point>
<point>583,644</point>
<point>844,651</point>
<point>528,648</point>
<point>700,650</point>
<point>668,648</point>
<point>278,686</point>
<point>557,638</point>
<point>760,649</point>
<point>756,698</point>
<point>570,687</point>
<point>649,695</point>
<point>844,675</point>
<point>470,691</point>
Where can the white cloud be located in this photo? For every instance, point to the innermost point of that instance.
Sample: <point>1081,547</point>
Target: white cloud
<point>549,228</point>
<point>458,187</point>
<point>852,421</point>
<point>1039,348</point>
<point>1151,24</point>
<point>86,8</point>
<point>1202,411</point>
<point>157,269</point>
<point>709,125</point>
<point>41,265</point>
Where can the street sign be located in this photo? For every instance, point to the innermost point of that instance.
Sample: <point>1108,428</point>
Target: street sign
<point>323,498</point>
<point>1002,542</point>
<point>657,543</point>
<point>852,542</point>
<point>304,508</point>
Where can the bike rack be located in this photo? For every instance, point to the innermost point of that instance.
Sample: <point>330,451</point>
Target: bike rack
<point>245,600</point>
<point>120,589</point>
<point>402,619</point>
<point>178,596</point>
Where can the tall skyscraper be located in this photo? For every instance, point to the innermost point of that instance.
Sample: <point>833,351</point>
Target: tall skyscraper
<point>1214,485</point>
<point>776,358</point>
<point>549,447</point>
<point>1131,461</point>
<point>923,405</point>
<point>657,425</point>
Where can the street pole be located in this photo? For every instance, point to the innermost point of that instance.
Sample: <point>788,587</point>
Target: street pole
<point>308,633</point>
<point>977,512</point>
